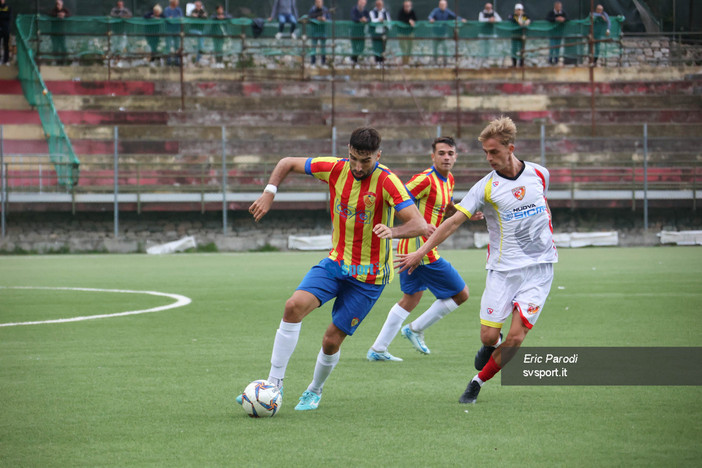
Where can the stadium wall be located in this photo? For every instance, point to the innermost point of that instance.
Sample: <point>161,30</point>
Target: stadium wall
<point>31,232</point>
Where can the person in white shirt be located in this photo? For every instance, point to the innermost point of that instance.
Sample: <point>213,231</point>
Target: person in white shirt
<point>521,250</point>
<point>380,24</point>
<point>488,15</point>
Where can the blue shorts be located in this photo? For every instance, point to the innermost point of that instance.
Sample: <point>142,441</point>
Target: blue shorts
<point>354,299</point>
<point>440,277</point>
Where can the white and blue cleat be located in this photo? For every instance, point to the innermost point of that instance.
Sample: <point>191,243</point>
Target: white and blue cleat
<point>417,339</point>
<point>378,356</point>
<point>308,401</point>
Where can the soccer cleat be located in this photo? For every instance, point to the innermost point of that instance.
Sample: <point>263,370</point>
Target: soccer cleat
<point>417,339</point>
<point>483,355</point>
<point>308,401</point>
<point>471,393</point>
<point>384,356</point>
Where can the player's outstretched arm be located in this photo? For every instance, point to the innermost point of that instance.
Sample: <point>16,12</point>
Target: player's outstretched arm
<point>411,261</point>
<point>413,225</point>
<point>284,167</point>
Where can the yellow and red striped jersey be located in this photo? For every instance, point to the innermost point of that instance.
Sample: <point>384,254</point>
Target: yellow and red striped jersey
<point>356,206</point>
<point>432,192</point>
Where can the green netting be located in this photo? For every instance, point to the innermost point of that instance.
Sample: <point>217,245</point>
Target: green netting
<point>60,150</point>
<point>101,37</point>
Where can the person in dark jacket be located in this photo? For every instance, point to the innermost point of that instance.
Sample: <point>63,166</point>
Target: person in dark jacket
<point>5,25</point>
<point>58,38</point>
<point>319,14</point>
<point>558,17</point>
<point>408,18</point>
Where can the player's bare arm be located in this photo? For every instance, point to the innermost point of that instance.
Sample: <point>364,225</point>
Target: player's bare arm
<point>412,261</point>
<point>413,225</point>
<point>284,167</point>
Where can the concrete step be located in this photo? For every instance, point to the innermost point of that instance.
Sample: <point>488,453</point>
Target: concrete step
<point>324,132</point>
<point>579,74</point>
<point>534,102</point>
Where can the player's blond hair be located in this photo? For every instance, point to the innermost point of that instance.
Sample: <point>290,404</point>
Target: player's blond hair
<point>502,130</point>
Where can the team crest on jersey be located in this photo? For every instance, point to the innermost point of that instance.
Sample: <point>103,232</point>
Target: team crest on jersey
<point>354,322</point>
<point>532,309</point>
<point>519,192</point>
<point>495,183</point>
<point>369,199</point>
<point>490,311</point>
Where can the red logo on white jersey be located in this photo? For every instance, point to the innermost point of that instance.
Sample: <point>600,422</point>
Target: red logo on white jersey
<point>519,192</point>
<point>495,183</point>
<point>533,308</point>
<point>490,311</point>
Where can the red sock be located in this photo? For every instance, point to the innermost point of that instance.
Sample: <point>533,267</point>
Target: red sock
<point>489,371</point>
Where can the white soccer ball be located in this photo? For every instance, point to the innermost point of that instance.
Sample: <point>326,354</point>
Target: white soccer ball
<point>261,399</point>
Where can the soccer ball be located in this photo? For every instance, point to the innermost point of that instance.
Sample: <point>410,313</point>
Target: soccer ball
<point>261,399</point>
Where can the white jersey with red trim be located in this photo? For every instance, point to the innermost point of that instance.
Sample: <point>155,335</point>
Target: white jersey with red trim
<point>517,216</point>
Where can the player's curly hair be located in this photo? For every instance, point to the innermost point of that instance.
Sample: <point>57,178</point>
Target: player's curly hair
<point>502,130</point>
<point>365,140</point>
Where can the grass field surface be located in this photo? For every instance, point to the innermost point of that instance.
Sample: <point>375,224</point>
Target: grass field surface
<point>158,388</point>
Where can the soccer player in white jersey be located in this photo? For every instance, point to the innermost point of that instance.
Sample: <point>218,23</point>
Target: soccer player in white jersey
<point>521,251</point>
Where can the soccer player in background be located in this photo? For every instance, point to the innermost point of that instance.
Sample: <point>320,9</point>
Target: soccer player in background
<point>521,250</point>
<point>432,190</point>
<point>364,197</point>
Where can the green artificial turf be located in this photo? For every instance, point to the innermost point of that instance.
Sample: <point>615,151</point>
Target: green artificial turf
<point>157,389</point>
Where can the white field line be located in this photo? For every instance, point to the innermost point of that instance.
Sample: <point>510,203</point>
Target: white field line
<point>180,302</point>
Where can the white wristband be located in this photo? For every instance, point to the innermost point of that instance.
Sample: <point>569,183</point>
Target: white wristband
<point>271,188</point>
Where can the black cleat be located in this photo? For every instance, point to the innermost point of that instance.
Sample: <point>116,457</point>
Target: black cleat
<point>471,393</point>
<point>483,355</point>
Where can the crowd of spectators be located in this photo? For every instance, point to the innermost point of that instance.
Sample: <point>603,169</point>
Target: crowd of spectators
<point>374,23</point>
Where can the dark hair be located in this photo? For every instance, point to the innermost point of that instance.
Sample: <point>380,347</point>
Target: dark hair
<point>444,139</point>
<point>365,140</point>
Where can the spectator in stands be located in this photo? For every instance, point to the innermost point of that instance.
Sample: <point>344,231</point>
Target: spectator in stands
<point>5,26</point>
<point>408,18</point>
<point>442,14</point>
<point>173,45</point>
<point>361,17</point>
<point>118,37</point>
<point>198,12</point>
<point>380,25</point>
<point>558,17</point>
<point>120,11</point>
<point>58,38</point>
<point>319,14</point>
<point>286,12</point>
<point>600,18</point>
<point>153,32</point>
<point>488,15</point>
<point>219,33</point>
<point>520,19</point>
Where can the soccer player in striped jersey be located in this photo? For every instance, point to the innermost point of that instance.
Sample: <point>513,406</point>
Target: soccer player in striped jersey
<point>432,190</point>
<point>364,198</point>
<point>521,250</point>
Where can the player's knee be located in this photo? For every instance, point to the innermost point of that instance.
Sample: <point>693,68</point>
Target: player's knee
<point>462,296</point>
<point>489,335</point>
<point>514,340</point>
<point>294,310</point>
<point>331,344</point>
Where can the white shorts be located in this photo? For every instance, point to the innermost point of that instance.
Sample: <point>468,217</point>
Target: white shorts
<point>524,288</point>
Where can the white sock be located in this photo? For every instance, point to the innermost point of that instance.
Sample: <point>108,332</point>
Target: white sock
<point>477,379</point>
<point>438,310</point>
<point>325,364</point>
<point>285,341</point>
<point>392,325</point>
<point>499,341</point>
